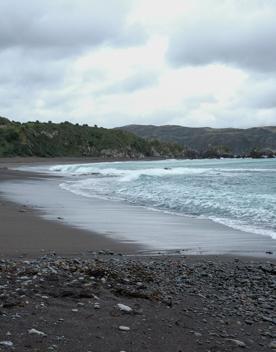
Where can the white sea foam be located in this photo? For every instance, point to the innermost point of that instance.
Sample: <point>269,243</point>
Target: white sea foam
<point>240,194</point>
<point>86,169</point>
<point>238,225</point>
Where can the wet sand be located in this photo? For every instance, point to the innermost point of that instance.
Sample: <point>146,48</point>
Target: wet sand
<point>118,223</point>
<point>24,232</point>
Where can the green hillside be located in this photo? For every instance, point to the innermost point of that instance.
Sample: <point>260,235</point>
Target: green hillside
<point>223,141</point>
<point>66,139</point>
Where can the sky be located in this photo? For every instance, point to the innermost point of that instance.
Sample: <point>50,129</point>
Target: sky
<point>119,62</point>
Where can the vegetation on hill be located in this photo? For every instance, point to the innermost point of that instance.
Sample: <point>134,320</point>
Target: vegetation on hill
<point>134,141</point>
<point>66,139</point>
<point>211,142</point>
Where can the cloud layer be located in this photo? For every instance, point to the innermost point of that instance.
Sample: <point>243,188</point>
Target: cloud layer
<point>243,42</point>
<point>65,25</point>
<point>116,62</point>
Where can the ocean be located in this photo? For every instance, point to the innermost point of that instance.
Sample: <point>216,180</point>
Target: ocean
<point>238,193</point>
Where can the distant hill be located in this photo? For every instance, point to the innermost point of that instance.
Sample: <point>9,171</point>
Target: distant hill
<point>66,139</point>
<point>225,141</point>
<point>133,141</point>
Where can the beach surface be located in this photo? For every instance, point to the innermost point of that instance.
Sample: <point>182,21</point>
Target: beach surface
<point>25,233</point>
<point>110,223</point>
<point>133,303</point>
<point>63,288</point>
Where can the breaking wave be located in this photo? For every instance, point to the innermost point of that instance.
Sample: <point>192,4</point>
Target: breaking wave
<point>237,193</point>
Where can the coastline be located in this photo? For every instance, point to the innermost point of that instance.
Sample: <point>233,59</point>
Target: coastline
<point>83,218</point>
<point>67,298</point>
<point>25,233</point>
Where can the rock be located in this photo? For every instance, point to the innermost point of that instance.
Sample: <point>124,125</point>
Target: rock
<point>6,343</point>
<point>97,305</point>
<point>237,342</point>
<point>37,332</point>
<point>124,308</point>
<point>237,303</point>
<point>265,318</point>
<point>124,328</point>
<point>272,345</point>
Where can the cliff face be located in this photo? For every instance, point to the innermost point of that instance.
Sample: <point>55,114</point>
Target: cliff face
<point>66,139</point>
<point>234,141</point>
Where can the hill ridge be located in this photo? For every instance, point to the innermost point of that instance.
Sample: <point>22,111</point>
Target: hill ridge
<point>232,140</point>
<point>66,139</point>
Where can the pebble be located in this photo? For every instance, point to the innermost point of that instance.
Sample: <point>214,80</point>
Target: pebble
<point>124,328</point>
<point>240,297</point>
<point>237,342</point>
<point>124,308</point>
<point>36,332</point>
<point>272,345</point>
<point>6,343</point>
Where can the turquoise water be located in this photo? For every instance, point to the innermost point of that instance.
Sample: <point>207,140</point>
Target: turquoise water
<point>239,193</point>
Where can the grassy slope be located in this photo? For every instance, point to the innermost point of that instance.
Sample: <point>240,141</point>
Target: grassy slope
<point>65,139</point>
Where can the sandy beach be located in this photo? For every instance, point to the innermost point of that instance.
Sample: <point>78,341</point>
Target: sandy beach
<point>25,233</point>
<point>66,289</point>
<point>111,223</point>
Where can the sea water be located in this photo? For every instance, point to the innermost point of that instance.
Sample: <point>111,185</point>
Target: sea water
<point>238,193</point>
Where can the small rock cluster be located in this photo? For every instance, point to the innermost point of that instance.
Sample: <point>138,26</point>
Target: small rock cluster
<point>215,305</point>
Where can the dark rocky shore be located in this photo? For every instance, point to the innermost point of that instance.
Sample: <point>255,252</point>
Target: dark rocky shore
<point>108,302</point>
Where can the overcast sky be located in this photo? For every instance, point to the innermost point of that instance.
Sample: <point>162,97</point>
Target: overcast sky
<point>117,62</point>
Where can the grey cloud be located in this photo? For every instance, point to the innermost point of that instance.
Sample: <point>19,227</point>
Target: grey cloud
<point>24,82</point>
<point>21,72</point>
<point>39,39</point>
<point>264,101</point>
<point>65,25</point>
<point>93,75</point>
<point>138,81</point>
<point>244,118</point>
<point>195,101</point>
<point>247,42</point>
<point>262,97</point>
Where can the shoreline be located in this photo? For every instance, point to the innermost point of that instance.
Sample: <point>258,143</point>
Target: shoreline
<point>67,231</point>
<point>25,233</point>
<point>80,300</point>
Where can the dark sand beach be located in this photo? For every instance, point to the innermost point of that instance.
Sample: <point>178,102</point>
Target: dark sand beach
<point>60,288</point>
<point>23,232</point>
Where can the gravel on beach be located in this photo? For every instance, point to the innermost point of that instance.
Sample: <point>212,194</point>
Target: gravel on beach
<point>110,302</point>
